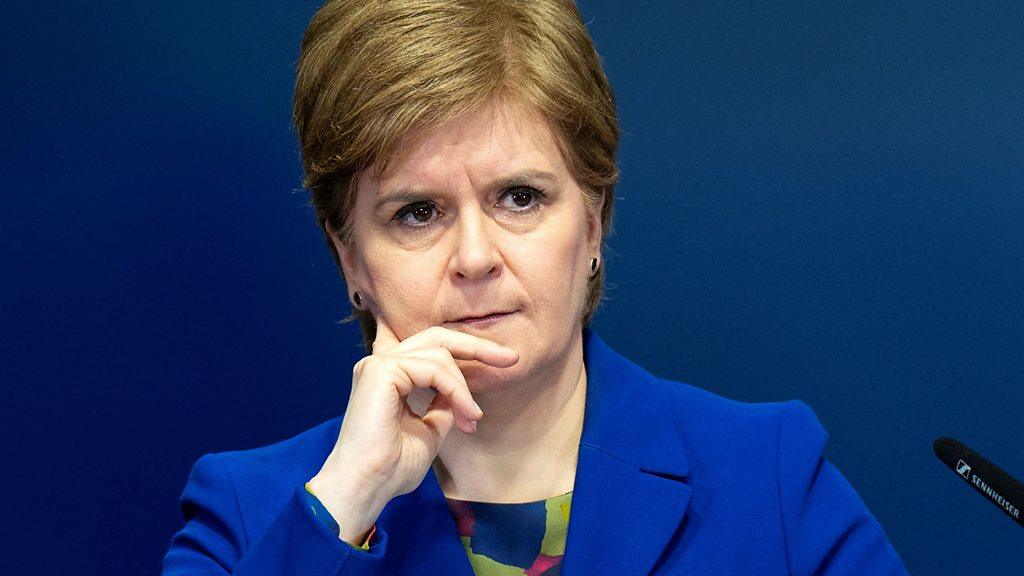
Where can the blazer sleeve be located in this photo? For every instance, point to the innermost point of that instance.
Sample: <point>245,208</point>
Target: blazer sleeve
<point>214,542</point>
<point>828,529</point>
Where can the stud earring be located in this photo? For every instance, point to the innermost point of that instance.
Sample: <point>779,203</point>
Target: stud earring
<point>593,264</point>
<point>358,300</point>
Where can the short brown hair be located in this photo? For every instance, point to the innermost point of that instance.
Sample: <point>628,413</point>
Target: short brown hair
<point>372,72</point>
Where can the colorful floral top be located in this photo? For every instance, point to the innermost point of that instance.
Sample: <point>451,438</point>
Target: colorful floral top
<point>514,539</point>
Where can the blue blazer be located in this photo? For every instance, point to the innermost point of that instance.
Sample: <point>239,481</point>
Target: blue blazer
<point>670,479</point>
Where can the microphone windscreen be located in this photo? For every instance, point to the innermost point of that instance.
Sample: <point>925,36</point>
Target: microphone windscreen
<point>988,479</point>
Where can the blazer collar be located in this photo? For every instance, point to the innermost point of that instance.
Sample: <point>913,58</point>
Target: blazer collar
<point>630,494</point>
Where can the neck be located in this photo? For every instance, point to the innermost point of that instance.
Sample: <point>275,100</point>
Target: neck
<point>525,448</point>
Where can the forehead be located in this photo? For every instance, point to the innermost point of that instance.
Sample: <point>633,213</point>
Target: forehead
<point>488,142</point>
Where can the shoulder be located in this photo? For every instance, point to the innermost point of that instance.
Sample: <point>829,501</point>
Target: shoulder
<point>720,433</point>
<point>760,468</point>
<point>259,481</point>
<point>697,409</point>
<point>707,423</point>
<point>250,505</point>
<point>287,457</point>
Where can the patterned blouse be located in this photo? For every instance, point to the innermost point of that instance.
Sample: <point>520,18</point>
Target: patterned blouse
<point>513,539</point>
<point>500,539</point>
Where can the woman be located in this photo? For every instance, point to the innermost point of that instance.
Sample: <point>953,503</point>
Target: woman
<point>461,159</point>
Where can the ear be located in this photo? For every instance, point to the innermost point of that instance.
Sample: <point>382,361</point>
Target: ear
<point>347,257</point>
<point>595,232</point>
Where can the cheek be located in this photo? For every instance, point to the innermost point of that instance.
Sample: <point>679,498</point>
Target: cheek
<point>550,274</point>
<point>403,285</point>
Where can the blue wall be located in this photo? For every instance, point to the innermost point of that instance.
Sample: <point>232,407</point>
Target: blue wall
<point>819,201</point>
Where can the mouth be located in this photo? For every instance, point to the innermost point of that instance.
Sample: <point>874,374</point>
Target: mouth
<point>488,318</point>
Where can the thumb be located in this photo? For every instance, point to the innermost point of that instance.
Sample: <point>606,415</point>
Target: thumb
<point>385,338</point>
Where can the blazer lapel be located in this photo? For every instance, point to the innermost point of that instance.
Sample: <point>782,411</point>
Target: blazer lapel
<point>422,535</point>
<point>630,494</point>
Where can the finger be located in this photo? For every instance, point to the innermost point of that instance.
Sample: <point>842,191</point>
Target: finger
<point>439,416</point>
<point>461,345</point>
<point>463,401</point>
<point>422,373</point>
<point>385,338</point>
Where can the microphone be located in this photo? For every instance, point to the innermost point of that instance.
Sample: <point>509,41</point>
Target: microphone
<point>988,479</point>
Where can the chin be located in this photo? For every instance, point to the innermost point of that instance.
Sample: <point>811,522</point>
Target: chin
<point>482,377</point>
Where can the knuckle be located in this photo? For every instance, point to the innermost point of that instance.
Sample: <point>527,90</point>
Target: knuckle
<point>446,354</point>
<point>402,381</point>
<point>357,371</point>
<point>391,369</point>
<point>371,362</point>
<point>443,380</point>
<point>449,338</point>
<point>436,374</point>
<point>441,355</point>
<point>358,366</point>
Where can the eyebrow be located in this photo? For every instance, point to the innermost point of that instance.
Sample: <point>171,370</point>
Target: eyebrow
<point>407,194</point>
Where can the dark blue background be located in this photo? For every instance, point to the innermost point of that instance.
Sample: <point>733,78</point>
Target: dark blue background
<point>819,200</point>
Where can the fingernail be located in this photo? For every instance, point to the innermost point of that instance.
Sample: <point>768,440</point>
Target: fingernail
<point>477,406</point>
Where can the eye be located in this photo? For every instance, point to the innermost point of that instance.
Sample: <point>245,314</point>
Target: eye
<point>420,212</point>
<point>417,215</point>
<point>524,199</point>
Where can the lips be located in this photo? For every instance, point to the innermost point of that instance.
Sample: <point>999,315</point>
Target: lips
<point>481,316</point>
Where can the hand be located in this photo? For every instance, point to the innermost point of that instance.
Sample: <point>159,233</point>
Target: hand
<point>384,448</point>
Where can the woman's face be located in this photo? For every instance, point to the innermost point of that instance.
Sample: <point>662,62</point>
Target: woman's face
<point>479,216</point>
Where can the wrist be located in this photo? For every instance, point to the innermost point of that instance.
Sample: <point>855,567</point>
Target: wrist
<point>353,506</point>
<point>324,515</point>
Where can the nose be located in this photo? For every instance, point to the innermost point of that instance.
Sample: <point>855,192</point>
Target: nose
<point>476,254</point>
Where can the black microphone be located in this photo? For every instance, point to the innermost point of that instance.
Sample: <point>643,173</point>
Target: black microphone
<point>988,479</point>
